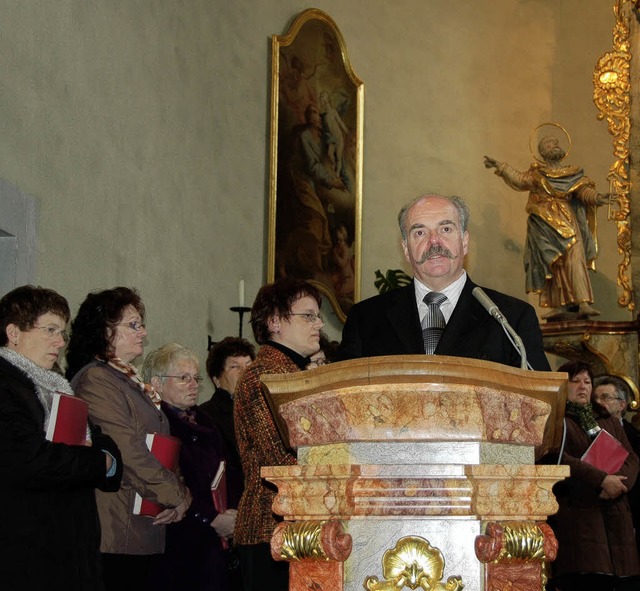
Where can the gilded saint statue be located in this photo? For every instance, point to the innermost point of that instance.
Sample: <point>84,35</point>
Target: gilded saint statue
<point>561,242</point>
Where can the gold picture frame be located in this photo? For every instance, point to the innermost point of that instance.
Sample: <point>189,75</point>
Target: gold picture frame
<point>315,189</point>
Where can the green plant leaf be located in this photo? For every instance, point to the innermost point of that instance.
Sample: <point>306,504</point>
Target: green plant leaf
<point>392,279</point>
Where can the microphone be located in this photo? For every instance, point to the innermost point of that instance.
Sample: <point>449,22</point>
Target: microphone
<point>490,306</point>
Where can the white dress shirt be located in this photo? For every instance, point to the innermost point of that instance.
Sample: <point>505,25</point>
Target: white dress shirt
<point>452,291</point>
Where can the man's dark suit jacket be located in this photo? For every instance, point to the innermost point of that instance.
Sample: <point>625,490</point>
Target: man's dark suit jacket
<point>389,324</point>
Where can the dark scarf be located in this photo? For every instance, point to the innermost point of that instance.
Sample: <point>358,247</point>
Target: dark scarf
<point>585,417</point>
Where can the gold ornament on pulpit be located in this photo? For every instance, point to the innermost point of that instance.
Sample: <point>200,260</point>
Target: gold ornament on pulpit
<point>413,563</point>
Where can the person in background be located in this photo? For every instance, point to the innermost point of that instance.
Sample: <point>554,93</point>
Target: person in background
<point>226,362</point>
<point>597,549</point>
<point>326,354</point>
<point>107,335</point>
<point>49,531</point>
<point>194,557</point>
<point>614,394</point>
<point>286,323</point>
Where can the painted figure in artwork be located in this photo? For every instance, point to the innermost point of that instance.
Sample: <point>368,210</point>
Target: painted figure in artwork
<point>334,131</point>
<point>561,240</point>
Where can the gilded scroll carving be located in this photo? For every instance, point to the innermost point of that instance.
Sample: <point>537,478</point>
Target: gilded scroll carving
<point>611,95</point>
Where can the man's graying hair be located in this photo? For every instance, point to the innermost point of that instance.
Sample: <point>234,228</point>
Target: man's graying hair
<point>458,202</point>
<point>619,385</point>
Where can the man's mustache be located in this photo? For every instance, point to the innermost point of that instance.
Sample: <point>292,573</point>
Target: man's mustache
<point>436,250</point>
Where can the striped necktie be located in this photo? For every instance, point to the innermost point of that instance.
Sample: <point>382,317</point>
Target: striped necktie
<point>433,323</point>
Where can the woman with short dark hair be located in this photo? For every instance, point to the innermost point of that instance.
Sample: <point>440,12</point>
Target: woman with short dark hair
<point>286,322</point>
<point>49,531</point>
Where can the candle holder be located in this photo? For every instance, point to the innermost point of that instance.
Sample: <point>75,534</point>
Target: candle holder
<point>240,310</point>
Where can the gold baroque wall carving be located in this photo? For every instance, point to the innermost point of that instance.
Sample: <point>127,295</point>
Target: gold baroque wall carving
<point>612,97</point>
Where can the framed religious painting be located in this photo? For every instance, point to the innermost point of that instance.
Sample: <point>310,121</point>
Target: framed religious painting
<point>315,193</point>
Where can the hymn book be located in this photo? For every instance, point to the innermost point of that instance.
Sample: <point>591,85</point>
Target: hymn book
<point>219,493</point>
<point>68,420</point>
<point>606,453</point>
<point>166,450</point>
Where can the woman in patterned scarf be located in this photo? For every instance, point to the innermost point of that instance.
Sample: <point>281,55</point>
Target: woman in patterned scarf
<point>107,335</point>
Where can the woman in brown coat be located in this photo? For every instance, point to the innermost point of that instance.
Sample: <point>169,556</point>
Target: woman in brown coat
<point>593,525</point>
<point>107,335</point>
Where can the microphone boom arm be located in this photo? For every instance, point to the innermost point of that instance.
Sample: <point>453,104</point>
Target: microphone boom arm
<point>490,306</point>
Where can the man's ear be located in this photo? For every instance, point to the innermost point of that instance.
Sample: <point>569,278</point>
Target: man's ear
<point>405,250</point>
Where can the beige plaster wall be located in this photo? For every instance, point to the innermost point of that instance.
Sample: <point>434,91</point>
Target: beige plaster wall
<point>141,128</point>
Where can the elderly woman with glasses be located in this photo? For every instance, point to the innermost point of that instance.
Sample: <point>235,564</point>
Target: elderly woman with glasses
<point>286,322</point>
<point>107,335</point>
<point>49,531</point>
<point>597,549</point>
<point>194,557</point>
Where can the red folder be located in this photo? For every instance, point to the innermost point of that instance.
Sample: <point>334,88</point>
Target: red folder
<point>166,450</point>
<point>219,493</point>
<point>606,453</point>
<point>68,420</point>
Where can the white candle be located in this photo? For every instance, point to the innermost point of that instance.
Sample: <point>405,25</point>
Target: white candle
<point>241,293</point>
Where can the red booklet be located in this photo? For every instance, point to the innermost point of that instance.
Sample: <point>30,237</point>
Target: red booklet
<point>166,450</point>
<point>68,420</point>
<point>219,493</point>
<point>606,453</point>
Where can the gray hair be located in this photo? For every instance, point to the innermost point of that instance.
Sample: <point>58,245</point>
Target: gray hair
<point>619,385</point>
<point>160,361</point>
<point>458,202</point>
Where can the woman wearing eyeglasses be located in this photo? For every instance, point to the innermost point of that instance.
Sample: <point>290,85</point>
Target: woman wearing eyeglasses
<point>49,531</point>
<point>194,557</point>
<point>286,322</point>
<point>107,335</point>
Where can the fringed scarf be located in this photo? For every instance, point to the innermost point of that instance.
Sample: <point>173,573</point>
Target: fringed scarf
<point>132,373</point>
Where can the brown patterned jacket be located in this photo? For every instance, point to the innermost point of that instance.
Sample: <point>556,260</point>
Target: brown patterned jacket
<point>260,445</point>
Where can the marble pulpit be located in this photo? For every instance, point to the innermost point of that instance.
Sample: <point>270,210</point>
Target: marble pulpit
<point>416,472</point>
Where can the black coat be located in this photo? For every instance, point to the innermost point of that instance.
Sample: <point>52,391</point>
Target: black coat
<point>194,558</point>
<point>389,324</point>
<point>220,409</point>
<point>49,529</point>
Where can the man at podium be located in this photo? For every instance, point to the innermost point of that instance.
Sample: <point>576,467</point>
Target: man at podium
<point>439,312</point>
